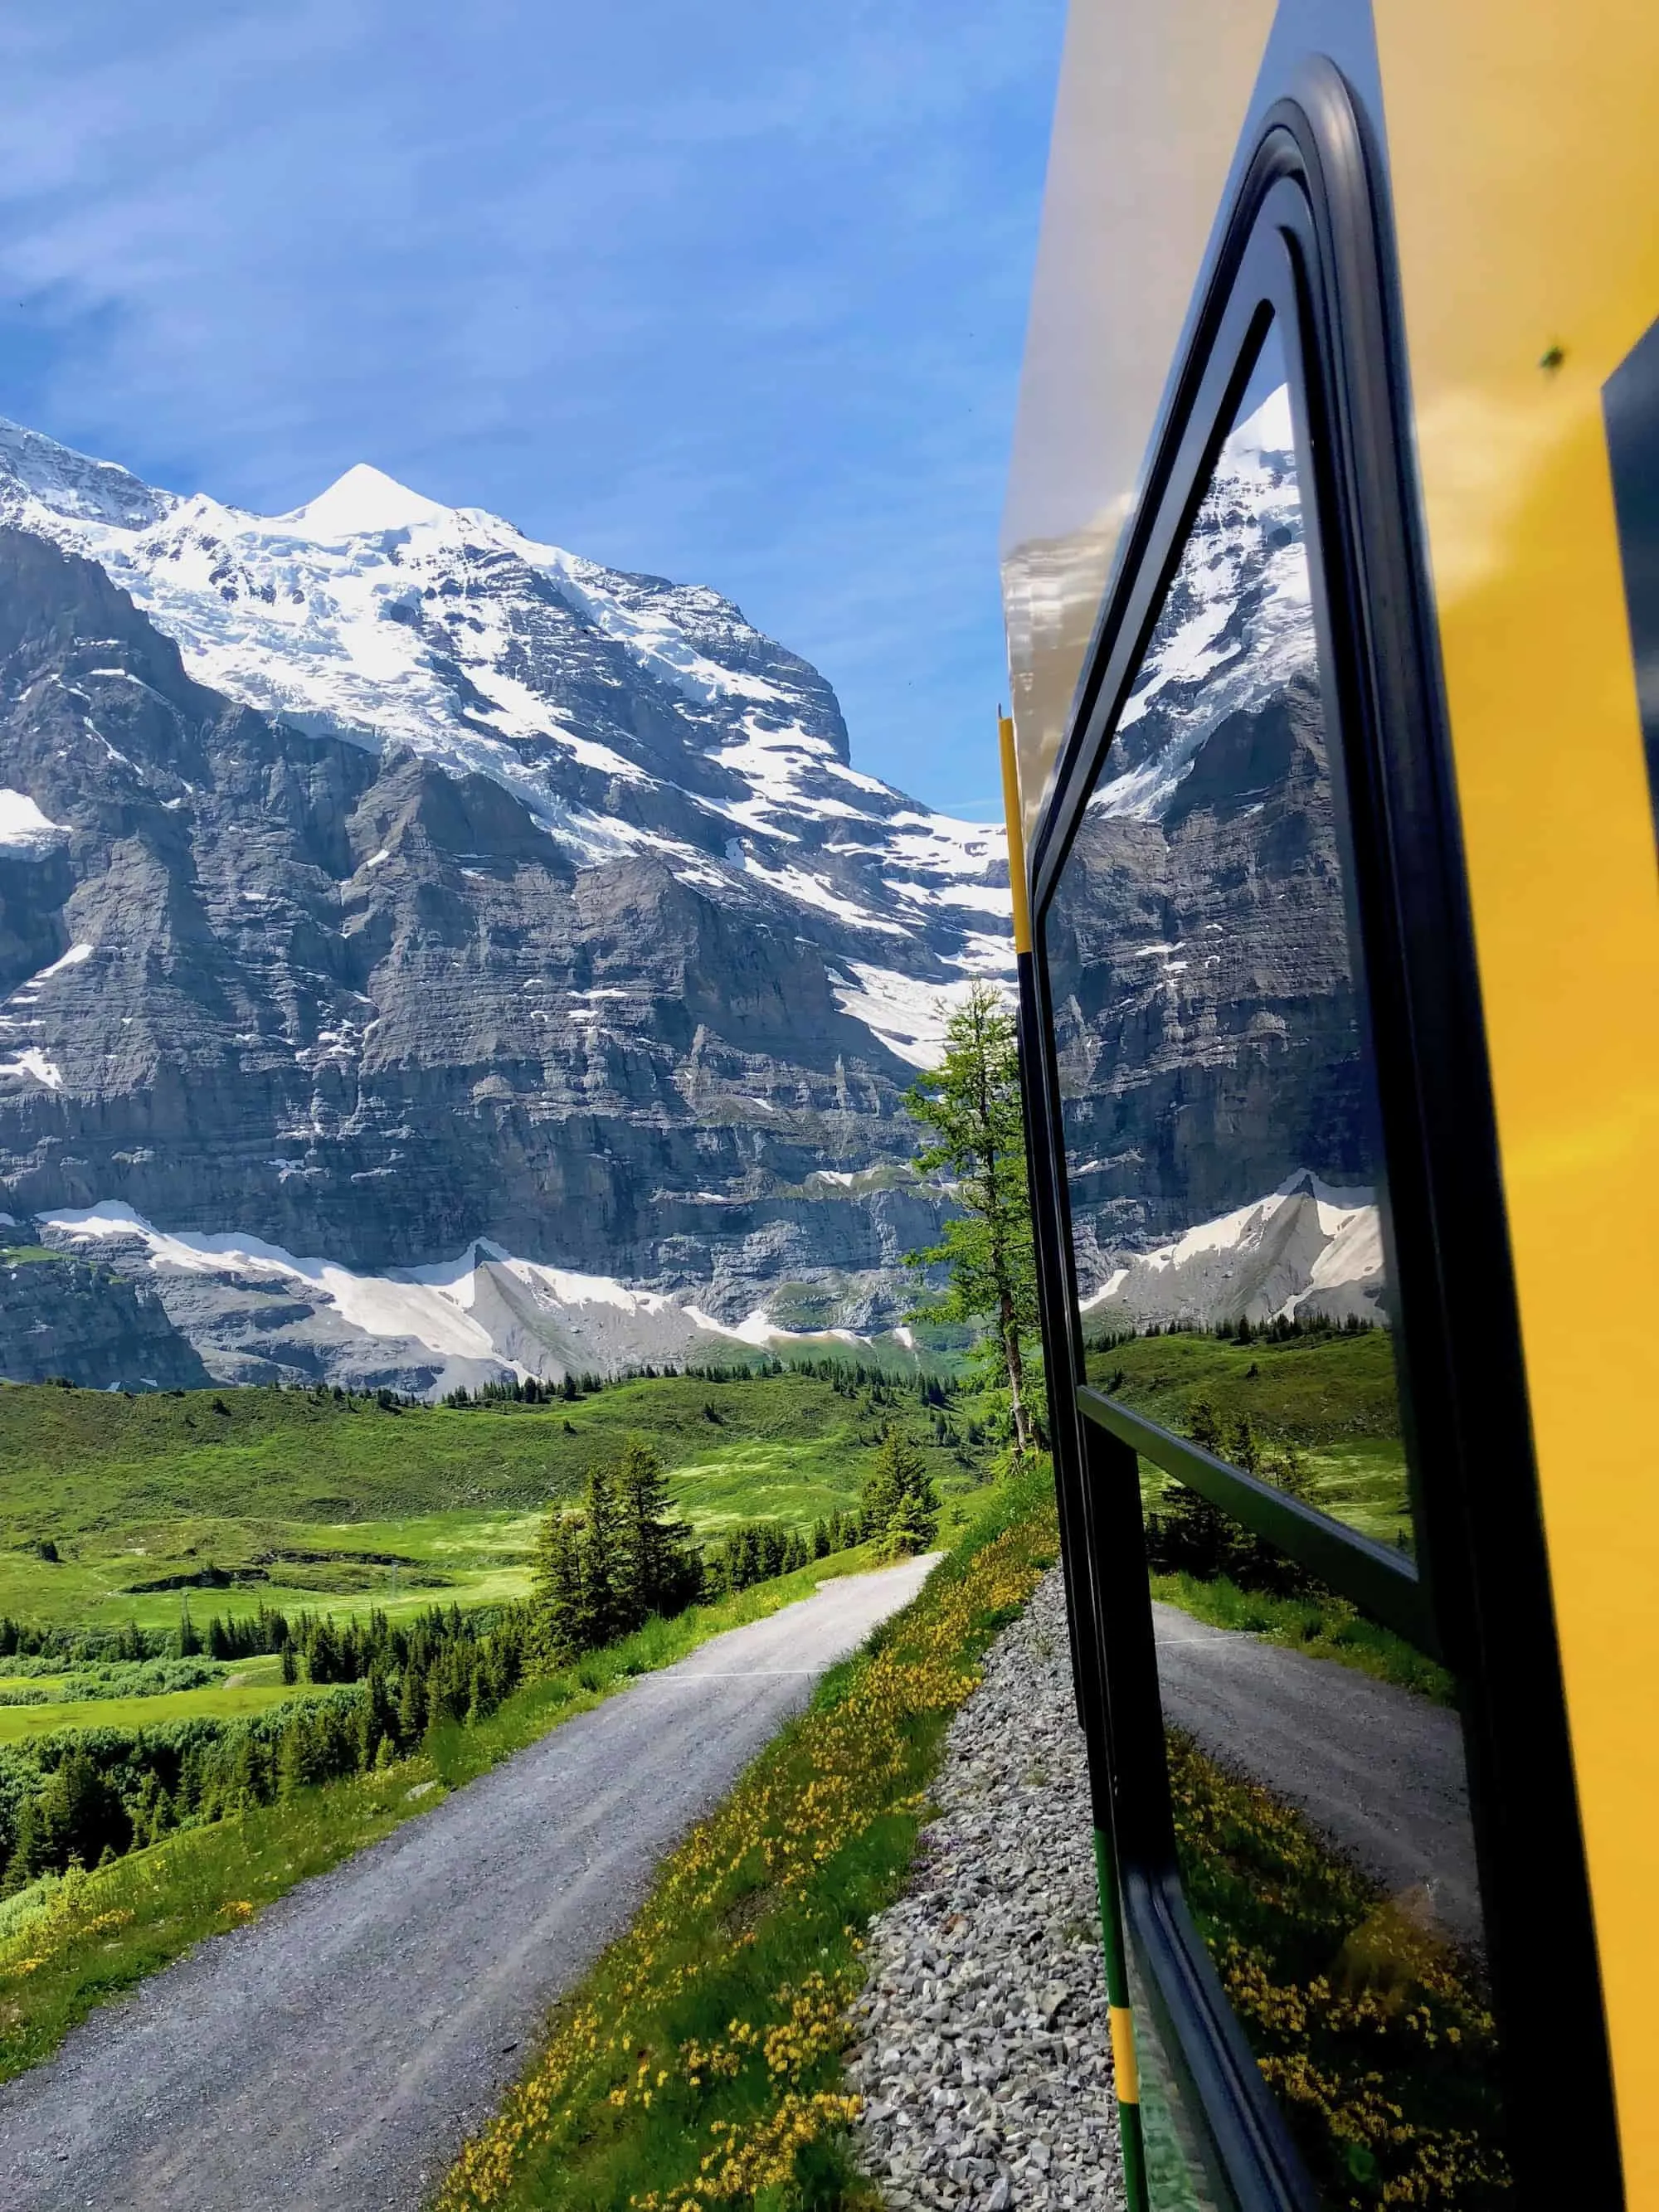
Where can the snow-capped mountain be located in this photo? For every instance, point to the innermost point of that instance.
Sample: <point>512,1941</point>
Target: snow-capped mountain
<point>1207,1031</point>
<point>1305,1252</point>
<point>1236,624</point>
<point>625,714</point>
<point>424,952</point>
<point>377,884</point>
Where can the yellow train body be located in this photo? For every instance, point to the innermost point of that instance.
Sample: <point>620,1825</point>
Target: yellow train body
<point>1519,147</point>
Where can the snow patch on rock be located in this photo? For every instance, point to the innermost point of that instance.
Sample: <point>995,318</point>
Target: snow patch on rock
<point>1305,1251</point>
<point>486,1312</point>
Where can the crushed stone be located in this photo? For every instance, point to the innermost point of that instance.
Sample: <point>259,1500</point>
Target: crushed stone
<point>982,2050</point>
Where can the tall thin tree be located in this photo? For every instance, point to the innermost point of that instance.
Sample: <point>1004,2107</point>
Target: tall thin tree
<point>971,1104</point>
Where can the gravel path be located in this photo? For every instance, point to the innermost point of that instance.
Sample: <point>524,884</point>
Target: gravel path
<point>983,2052</point>
<point>330,2054</point>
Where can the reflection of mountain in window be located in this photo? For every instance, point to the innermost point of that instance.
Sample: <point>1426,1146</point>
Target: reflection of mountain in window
<point>1237,624</point>
<point>1218,1114</point>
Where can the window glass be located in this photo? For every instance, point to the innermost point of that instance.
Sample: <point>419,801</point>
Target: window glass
<point>1323,1832</point>
<point>1223,1161</point>
<point>1220,1119</point>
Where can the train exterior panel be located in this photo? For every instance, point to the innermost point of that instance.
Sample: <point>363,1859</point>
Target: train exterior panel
<point>1331,579</point>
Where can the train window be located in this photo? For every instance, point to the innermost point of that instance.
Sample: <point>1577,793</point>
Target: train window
<point>1221,1128</point>
<point>1301,1794</point>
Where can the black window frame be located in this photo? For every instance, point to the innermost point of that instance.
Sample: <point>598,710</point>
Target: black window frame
<point>1305,243</point>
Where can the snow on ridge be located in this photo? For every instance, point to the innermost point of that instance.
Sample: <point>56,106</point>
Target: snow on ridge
<point>378,1305</point>
<point>24,827</point>
<point>452,1308</point>
<point>33,1062</point>
<point>365,500</point>
<point>809,889</point>
<point>1305,1248</point>
<point>908,1013</point>
<point>28,994</point>
<point>1246,551</point>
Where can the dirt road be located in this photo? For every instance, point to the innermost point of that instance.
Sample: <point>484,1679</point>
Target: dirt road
<point>1377,1768</point>
<point>331,2055</point>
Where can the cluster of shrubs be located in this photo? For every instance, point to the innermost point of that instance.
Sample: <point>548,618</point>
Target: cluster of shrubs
<point>119,1678</point>
<point>1187,1535</point>
<point>96,1793</point>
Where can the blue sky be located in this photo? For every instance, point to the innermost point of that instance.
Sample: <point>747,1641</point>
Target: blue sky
<point>733,292</point>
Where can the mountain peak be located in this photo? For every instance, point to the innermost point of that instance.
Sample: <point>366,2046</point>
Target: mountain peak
<point>359,504</point>
<point>37,473</point>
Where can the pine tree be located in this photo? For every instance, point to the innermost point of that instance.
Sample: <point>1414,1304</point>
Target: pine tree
<point>1242,1448</point>
<point>900,1506</point>
<point>652,1567</point>
<point>1203,1427</point>
<point>1189,1534</point>
<point>411,1704</point>
<point>325,1659</point>
<point>296,1759</point>
<point>556,1586</point>
<point>190,1643</point>
<point>971,1103</point>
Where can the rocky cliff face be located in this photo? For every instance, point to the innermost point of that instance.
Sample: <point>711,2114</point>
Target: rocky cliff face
<point>1218,1109</point>
<point>485,909</point>
<point>422,951</point>
<point>60,1316</point>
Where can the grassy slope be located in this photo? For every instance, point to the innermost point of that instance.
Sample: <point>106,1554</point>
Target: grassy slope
<point>699,2061</point>
<point>1334,1396</point>
<point>112,1928</point>
<point>226,1700</point>
<point>135,1490</point>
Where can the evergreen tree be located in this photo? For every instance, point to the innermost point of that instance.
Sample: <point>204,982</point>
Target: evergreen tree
<point>1287,1470</point>
<point>411,1704</point>
<point>602,1565</point>
<point>76,1815</point>
<point>971,1104</point>
<point>900,1506</point>
<point>299,1765</point>
<point>914,1521</point>
<point>556,1585</point>
<point>324,1656</point>
<point>654,1570</point>
<point>1242,1448</point>
<point>1189,1534</point>
<point>1203,1428</point>
<point>190,1643</point>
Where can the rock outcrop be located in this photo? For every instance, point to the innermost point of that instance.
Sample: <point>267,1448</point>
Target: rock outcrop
<point>65,1317</point>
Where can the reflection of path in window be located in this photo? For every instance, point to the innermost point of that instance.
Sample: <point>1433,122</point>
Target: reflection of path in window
<point>1369,2020</point>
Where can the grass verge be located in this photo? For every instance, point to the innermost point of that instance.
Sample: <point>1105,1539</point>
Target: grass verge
<point>1372,2027</point>
<point>1325,1627</point>
<point>67,1946</point>
<point>698,2063</point>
